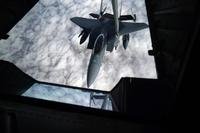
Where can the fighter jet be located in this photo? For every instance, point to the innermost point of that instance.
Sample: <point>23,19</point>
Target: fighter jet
<point>104,32</point>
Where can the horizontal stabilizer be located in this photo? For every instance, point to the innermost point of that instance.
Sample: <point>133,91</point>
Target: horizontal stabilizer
<point>126,17</point>
<point>108,15</point>
<point>94,15</point>
<point>85,23</point>
<point>126,28</point>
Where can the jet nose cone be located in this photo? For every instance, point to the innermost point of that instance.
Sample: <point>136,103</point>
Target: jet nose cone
<point>93,70</point>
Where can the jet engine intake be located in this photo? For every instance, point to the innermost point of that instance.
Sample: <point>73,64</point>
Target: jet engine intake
<point>84,33</point>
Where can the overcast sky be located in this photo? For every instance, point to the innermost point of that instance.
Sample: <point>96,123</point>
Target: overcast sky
<point>45,45</point>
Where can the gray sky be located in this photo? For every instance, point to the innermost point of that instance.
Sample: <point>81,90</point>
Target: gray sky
<point>45,45</point>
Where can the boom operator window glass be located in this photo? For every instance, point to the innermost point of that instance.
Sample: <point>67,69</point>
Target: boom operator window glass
<point>80,97</point>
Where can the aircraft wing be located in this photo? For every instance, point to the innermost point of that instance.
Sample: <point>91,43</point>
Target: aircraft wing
<point>85,23</point>
<point>126,27</point>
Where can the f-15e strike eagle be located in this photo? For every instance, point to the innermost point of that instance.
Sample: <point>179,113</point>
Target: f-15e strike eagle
<point>104,32</point>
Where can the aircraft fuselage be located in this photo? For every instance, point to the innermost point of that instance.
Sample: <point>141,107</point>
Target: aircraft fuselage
<point>103,38</point>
